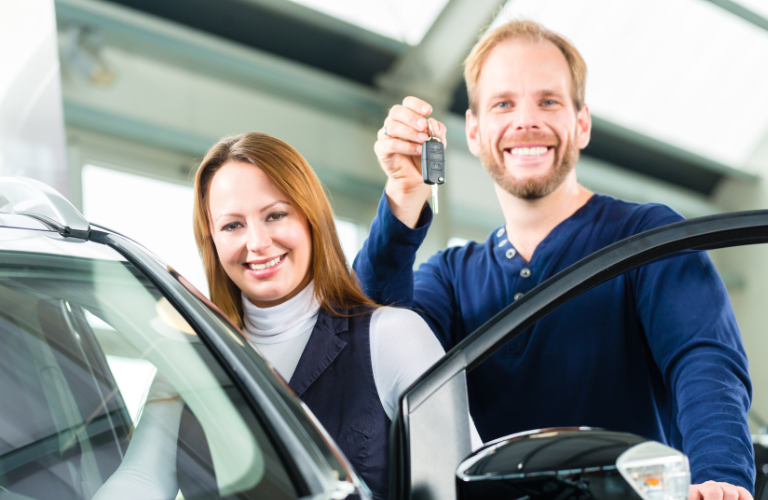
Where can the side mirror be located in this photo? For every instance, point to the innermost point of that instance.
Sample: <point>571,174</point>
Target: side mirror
<point>574,464</point>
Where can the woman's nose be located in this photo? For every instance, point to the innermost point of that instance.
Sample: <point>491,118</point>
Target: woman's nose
<point>259,239</point>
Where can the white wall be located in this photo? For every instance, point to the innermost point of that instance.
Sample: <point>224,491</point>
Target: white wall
<point>31,124</point>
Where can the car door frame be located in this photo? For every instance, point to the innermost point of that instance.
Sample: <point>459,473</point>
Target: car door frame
<point>305,461</point>
<point>436,405</point>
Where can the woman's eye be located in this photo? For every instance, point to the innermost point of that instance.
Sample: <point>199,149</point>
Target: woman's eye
<point>231,226</point>
<point>276,216</point>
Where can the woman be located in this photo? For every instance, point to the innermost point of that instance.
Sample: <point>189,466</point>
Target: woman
<point>274,265</point>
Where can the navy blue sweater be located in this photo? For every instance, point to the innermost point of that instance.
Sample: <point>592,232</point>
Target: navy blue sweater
<point>656,351</point>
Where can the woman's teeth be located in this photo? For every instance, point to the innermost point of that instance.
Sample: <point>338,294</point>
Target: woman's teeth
<point>266,265</point>
<point>528,151</point>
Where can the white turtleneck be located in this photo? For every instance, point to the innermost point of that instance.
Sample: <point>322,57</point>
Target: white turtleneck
<point>281,332</point>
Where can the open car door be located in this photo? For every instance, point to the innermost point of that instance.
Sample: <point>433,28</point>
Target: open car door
<point>430,434</point>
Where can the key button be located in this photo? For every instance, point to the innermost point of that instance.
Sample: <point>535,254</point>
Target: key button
<point>525,272</point>
<point>511,253</point>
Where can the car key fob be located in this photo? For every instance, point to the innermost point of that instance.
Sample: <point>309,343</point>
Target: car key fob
<point>433,164</point>
<point>433,160</point>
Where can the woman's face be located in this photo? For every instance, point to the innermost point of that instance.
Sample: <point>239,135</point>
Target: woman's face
<point>262,240</point>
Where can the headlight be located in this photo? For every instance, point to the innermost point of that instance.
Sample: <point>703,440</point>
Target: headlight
<point>655,471</point>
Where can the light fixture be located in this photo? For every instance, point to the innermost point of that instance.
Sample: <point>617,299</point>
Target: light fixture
<point>81,50</point>
<point>655,471</point>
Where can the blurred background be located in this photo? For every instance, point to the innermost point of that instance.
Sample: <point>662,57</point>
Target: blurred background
<point>678,91</point>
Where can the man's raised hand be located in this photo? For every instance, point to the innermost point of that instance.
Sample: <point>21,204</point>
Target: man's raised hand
<point>398,149</point>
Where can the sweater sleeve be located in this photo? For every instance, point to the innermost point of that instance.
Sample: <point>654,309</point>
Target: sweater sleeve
<point>402,349</point>
<point>148,469</point>
<point>384,267</point>
<point>695,341</point>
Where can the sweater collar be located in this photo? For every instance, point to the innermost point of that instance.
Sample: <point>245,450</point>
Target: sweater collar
<point>273,325</point>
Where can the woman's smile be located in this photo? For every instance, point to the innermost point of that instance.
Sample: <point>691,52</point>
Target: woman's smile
<point>265,268</point>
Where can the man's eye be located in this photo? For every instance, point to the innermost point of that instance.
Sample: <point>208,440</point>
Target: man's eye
<point>231,226</point>
<point>549,102</point>
<point>503,105</point>
<point>276,215</point>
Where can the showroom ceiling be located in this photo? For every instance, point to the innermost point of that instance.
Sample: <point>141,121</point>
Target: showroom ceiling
<point>673,84</point>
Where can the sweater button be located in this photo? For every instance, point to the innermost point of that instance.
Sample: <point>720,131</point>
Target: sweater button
<point>499,232</point>
<point>511,253</point>
<point>518,296</point>
<point>525,272</point>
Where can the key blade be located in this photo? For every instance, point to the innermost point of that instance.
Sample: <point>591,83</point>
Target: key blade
<point>434,198</point>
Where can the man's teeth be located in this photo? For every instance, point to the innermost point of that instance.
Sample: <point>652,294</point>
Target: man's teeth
<point>259,267</point>
<point>528,151</point>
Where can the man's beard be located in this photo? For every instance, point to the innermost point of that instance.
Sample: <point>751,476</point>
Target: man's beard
<point>532,189</point>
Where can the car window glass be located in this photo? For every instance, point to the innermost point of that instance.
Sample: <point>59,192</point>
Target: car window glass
<point>746,276</point>
<point>108,393</point>
<point>303,415</point>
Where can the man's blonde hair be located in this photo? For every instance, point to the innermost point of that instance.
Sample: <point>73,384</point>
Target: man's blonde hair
<point>527,30</point>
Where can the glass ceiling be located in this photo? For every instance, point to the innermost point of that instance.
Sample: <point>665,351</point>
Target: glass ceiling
<point>403,20</point>
<point>757,6</point>
<point>683,71</point>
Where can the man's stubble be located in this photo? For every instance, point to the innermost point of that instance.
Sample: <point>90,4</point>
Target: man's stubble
<point>533,189</point>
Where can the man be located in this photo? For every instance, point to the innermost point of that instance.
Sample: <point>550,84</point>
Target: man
<point>656,352</point>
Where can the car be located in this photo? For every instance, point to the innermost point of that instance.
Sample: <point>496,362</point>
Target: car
<point>89,317</point>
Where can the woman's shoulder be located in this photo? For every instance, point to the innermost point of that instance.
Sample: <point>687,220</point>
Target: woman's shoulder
<point>393,316</point>
<point>395,326</point>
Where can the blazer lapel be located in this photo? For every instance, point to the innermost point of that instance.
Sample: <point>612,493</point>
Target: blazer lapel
<point>322,348</point>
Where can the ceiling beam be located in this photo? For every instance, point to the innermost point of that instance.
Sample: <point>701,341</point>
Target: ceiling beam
<point>432,69</point>
<point>330,23</point>
<point>742,12</point>
<point>192,49</point>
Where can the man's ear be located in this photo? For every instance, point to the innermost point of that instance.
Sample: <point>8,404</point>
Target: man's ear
<point>471,128</point>
<point>583,127</point>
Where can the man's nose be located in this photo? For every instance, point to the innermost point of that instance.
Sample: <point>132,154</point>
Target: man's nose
<point>259,239</point>
<point>527,117</point>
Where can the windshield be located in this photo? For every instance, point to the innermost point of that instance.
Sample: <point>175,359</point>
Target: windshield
<point>107,391</point>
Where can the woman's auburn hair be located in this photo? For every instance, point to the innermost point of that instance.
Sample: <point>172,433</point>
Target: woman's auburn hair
<point>336,287</point>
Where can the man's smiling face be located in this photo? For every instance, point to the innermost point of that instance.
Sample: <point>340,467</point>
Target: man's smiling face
<point>525,128</point>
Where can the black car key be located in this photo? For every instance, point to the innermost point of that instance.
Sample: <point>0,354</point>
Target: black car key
<point>433,164</point>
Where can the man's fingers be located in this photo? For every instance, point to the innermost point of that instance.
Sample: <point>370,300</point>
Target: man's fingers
<point>712,490</point>
<point>417,105</point>
<point>729,492</point>
<point>398,130</point>
<point>407,117</point>
<point>439,131</point>
<point>744,494</point>
<point>388,147</point>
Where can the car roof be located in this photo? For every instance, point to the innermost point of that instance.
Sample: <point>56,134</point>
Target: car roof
<point>24,200</point>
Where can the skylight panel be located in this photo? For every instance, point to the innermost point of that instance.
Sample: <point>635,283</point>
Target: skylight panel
<point>683,71</point>
<point>759,7</point>
<point>402,20</point>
